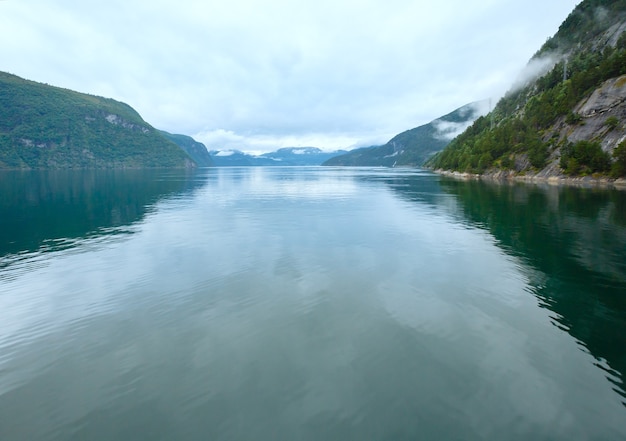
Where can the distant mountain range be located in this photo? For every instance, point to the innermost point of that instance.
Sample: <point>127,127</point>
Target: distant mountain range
<point>410,148</point>
<point>413,147</point>
<point>43,126</point>
<point>288,156</point>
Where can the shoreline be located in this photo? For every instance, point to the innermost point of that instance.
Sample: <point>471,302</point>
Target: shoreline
<point>583,182</point>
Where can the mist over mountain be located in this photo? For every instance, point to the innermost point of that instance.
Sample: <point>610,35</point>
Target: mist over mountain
<point>413,147</point>
<point>287,156</point>
<point>566,113</point>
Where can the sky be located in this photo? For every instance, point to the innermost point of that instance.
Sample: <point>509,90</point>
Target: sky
<point>261,75</point>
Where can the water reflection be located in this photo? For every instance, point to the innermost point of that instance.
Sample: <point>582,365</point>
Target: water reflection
<point>577,239</point>
<point>283,183</point>
<point>54,208</point>
<point>305,303</point>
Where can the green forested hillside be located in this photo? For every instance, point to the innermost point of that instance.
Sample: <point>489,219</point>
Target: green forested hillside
<point>413,147</point>
<point>196,150</point>
<point>48,127</point>
<point>538,126</point>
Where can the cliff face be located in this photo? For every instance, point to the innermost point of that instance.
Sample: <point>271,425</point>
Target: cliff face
<point>570,120</point>
<point>43,126</point>
<point>605,102</point>
<point>601,118</point>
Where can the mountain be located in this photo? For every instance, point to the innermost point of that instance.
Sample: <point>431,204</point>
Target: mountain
<point>566,115</point>
<point>415,146</point>
<point>301,155</point>
<point>370,156</point>
<point>236,158</point>
<point>287,156</point>
<point>194,149</point>
<point>42,126</point>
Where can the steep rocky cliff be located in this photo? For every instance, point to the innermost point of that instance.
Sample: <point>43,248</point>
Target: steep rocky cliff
<point>569,120</point>
<point>599,118</point>
<point>607,101</point>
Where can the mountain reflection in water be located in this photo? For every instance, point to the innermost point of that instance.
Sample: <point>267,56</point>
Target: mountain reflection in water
<point>51,208</point>
<point>576,238</point>
<point>308,303</point>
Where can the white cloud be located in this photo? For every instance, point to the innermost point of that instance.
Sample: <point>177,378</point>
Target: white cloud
<point>448,130</point>
<point>221,139</point>
<point>536,68</point>
<point>225,153</point>
<point>280,72</point>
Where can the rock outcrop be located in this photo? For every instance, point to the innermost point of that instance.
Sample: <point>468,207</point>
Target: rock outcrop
<point>569,121</point>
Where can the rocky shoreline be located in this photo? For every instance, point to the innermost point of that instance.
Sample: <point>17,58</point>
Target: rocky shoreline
<point>510,176</point>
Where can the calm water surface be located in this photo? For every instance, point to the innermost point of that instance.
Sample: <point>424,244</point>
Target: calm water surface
<point>309,304</point>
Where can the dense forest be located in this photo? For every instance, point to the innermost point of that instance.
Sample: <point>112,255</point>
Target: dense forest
<point>196,150</point>
<point>42,126</point>
<point>527,129</point>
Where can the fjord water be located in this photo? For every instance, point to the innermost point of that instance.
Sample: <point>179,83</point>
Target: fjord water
<point>309,304</point>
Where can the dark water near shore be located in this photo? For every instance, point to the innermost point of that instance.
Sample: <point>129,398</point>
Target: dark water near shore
<point>309,304</point>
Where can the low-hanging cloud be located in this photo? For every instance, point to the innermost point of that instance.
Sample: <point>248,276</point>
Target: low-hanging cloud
<point>536,68</point>
<point>226,140</point>
<point>448,130</point>
<point>286,72</point>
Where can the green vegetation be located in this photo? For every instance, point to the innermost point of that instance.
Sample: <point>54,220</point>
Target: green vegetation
<point>48,127</point>
<point>411,147</point>
<point>516,132</point>
<point>584,158</point>
<point>619,166</point>
<point>611,122</point>
<point>196,150</point>
<point>588,20</point>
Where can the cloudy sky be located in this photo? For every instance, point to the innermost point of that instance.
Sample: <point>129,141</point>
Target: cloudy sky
<point>259,75</point>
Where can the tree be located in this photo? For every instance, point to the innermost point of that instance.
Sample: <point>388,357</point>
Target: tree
<point>618,169</point>
<point>584,157</point>
<point>611,122</point>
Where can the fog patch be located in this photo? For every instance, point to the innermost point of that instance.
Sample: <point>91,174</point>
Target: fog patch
<point>601,13</point>
<point>536,68</point>
<point>448,130</point>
